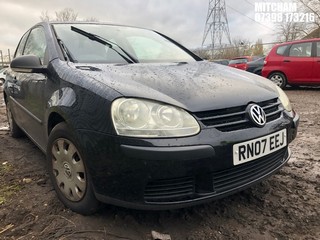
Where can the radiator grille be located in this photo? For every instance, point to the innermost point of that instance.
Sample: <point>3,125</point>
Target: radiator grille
<point>169,189</point>
<point>231,119</point>
<point>239,175</point>
<point>224,181</point>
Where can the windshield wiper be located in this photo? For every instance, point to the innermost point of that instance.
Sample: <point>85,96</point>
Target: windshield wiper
<point>67,54</point>
<point>106,42</point>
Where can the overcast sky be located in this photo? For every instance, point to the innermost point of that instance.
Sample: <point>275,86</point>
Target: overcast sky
<point>183,20</point>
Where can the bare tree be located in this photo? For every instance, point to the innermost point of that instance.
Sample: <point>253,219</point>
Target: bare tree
<point>45,16</point>
<point>203,53</point>
<point>67,14</point>
<point>257,49</point>
<point>312,6</point>
<point>289,31</point>
<point>239,47</point>
<point>91,19</point>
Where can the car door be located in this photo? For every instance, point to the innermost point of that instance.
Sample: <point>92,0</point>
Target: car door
<point>298,65</point>
<point>316,67</point>
<point>27,94</point>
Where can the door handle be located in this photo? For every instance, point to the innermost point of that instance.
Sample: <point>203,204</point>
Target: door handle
<point>286,60</point>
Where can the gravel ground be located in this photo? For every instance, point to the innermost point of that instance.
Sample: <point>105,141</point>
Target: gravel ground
<point>285,206</point>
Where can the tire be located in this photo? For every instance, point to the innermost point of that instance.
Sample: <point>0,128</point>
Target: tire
<point>14,130</point>
<point>68,172</point>
<point>279,79</point>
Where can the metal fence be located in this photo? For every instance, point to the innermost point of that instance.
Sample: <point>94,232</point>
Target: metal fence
<point>5,58</point>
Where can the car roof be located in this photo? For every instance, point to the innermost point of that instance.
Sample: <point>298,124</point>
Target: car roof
<point>299,41</point>
<point>92,23</point>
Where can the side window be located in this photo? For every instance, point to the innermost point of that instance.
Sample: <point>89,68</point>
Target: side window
<point>318,49</point>
<point>36,43</point>
<point>281,50</point>
<point>22,42</point>
<point>301,50</point>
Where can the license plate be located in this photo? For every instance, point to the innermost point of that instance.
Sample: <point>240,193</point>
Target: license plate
<point>259,147</point>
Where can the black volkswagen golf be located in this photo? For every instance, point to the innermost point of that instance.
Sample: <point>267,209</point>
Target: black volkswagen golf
<point>128,116</point>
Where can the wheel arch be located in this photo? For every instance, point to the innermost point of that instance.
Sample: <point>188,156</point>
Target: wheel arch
<point>54,119</point>
<point>87,203</point>
<point>283,83</point>
<point>278,71</point>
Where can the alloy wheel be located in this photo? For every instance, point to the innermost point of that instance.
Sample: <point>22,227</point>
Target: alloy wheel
<point>278,80</point>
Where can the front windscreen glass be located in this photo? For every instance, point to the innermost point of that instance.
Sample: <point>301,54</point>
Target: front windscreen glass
<point>145,46</point>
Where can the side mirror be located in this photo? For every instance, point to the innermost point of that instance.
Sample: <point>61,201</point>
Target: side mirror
<point>28,64</point>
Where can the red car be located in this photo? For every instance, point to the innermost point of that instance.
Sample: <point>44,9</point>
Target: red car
<point>294,63</point>
<point>241,62</point>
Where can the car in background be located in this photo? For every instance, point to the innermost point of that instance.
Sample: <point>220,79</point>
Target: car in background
<point>128,116</point>
<point>241,62</point>
<point>256,66</point>
<point>221,61</point>
<point>294,63</point>
<point>3,75</point>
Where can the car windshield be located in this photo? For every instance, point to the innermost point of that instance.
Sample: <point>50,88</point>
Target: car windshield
<point>144,46</point>
<point>238,61</point>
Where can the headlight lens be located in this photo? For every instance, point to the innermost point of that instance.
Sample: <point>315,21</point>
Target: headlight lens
<point>143,118</point>
<point>284,99</point>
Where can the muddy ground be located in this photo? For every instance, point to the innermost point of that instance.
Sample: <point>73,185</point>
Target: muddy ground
<point>286,206</point>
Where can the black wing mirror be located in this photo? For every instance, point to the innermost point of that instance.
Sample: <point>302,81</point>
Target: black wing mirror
<point>28,64</point>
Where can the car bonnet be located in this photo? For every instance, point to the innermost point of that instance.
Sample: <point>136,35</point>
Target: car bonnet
<point>197,86</point>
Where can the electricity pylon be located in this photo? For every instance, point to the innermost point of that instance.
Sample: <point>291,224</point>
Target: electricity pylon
<point>216,25</point>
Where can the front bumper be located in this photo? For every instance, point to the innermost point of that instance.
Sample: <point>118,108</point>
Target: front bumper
<point>174,173</point>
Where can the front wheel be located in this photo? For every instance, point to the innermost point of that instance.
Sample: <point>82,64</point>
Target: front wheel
<point>68,172</point>
<point>279,79</point>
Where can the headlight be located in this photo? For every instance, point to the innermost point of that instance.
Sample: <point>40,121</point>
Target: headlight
<point>143,118</point>
<point>284,99</point>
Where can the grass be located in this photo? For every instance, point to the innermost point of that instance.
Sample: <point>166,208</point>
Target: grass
<point>7,188</point>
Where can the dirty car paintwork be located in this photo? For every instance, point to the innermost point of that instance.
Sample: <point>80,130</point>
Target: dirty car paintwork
<point>195,86</point>
<point>123,168</point>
